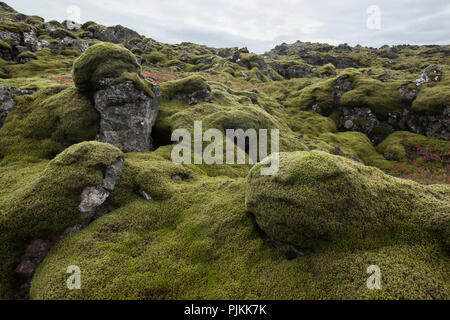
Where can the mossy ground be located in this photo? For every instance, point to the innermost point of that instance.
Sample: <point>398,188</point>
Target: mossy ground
<point>196,239</point>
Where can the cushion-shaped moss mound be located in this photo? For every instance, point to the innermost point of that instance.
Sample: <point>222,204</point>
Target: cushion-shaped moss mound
<point>101,60</point>
<point>47,202</point>
<point>183,87</point>
<point>317,198</point>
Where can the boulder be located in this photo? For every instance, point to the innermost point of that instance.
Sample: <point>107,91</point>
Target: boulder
<point>361,120</point>
<point>13,37</point>
<point>6,103</point>
<point>71,25</point>
<point>100,61</point>
<point>317,199</point>
<point>193,89</point>
<point>127,115</point>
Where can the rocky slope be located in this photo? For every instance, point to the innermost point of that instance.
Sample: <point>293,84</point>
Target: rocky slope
<point>86,117</point>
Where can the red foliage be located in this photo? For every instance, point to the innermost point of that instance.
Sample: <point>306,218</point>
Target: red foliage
<point>158,78</point>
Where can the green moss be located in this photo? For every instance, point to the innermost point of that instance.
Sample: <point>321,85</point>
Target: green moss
<point>35,20</point>
<point>316,199</point>
<point>45,123</point>
<point>308,122</point>
<point>355,145</point>
<point>155,57</point>
<point>92,27</point>
<point>380,97</point>
<point>62,33</point>
<point>55,23</point>
<point>251,60</point>
<point>46,63</point>
<point>27,55</point>
<point>399,143</point>
<point>195,238</point>
<point>320,92</point>
<point>5,46</point>
<point>326,70</point>
<point>4,74</point>
<point>46,203</point>
<point>71,52</point>
<point>100,60</point>
<point>15,27</point>
<point>137,51</point>
<point>184,86</point>
<point>229,110</point>
<point>435,96</point>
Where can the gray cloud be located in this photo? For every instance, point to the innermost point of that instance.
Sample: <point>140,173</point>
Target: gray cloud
<point>262,24</point>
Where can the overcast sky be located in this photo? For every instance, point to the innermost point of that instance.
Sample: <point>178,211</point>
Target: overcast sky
<point>261,24</point>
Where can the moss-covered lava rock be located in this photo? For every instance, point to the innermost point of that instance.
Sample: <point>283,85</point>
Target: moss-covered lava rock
<point>45,203</point>
<point>317,198</point>
<point>99,61</point>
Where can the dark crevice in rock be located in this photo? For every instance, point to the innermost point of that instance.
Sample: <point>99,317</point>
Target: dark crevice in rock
<point>289,250</point>
<point>161,136</point>
<point>93,205</point>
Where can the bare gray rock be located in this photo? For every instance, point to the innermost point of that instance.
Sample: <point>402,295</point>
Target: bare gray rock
<point>14,38</point>
<point>127,115</point>
<point>71,25</point>
<point>341,86</point>
<point>290,70</point>
<point>362,120</point>
<point>112,174</point>
<point>429,74</point>
<point>117,34</point>
<point>92,204</point>
<point>91,198</point>
<point>51,26</point>
<point>6,103</point>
